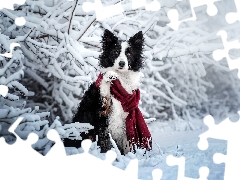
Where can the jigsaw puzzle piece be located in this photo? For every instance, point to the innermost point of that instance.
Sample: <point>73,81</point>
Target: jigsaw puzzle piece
<point>224,53</point>
<point>216,131</point>
<point>234,16</point>
<point>180,162</point>
<point>232,162</point>
<point>173,14</point>
<point>229,131</point>
<point>218,21</point>
<point>210,14</point>
<point>211,7</point>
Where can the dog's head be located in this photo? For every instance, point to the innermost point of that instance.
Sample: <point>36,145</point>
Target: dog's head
<point>122,55</point>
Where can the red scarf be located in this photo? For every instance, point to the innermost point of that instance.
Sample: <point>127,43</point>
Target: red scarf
<point>136,128</point>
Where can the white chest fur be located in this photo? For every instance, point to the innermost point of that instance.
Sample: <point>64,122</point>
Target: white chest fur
<point>117,127</point>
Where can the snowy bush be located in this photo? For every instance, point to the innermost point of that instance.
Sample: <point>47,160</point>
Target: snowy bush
<point>61,45</point>
<point>14,104</point>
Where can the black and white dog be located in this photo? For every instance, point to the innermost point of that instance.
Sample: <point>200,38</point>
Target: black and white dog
<point>119,60</point>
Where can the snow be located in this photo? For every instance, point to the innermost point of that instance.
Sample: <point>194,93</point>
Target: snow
<point>171,142</point>
<point>184,143</point>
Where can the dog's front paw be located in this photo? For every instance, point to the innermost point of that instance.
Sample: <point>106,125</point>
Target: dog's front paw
<point>110,76</point>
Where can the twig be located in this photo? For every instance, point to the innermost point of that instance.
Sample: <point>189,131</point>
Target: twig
<point>150,27</point>
<point>160,151</point>
<point>70,22</point>
<point>29,33</point>
<point>85,30</point>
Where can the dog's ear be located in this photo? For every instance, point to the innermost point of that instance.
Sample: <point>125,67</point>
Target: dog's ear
<point>108,39</point>
<point>137,40</point>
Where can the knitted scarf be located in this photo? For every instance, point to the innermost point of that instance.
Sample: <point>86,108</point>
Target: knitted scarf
<point>136,128</point>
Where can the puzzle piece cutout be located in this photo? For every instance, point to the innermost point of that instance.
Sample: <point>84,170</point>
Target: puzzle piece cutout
<point>157,174</point>
<point>229,131</point>
<point>180,162</point>
<point>221,53</point>
<point>9,4</point>
<point>112,10</point>
<point>234,16</point>
<point>152,6</point>
<point>12,46</point>
<point>102,12</point>
<point>4,130</point>
<point>3,90</point>
<point>20,21</point>
<point>77,166</point>
<point>212,21</point>
<point>173,13</point>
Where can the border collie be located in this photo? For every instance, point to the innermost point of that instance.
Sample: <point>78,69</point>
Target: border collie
<point>120,60</point>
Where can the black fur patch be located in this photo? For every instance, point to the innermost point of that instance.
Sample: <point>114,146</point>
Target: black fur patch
<point>88,112</point>
<point>111,49</point>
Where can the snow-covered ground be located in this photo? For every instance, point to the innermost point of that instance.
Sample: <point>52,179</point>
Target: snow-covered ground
<point>184,143</point>
<point>177,143</point>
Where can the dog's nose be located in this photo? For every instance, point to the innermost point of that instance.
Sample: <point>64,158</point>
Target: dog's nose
<point>121,63</point>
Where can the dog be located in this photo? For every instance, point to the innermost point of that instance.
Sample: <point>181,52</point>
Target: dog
<point>120,64</point>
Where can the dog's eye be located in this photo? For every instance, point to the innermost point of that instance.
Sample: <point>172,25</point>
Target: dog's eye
<point>128,54</point>
<point>116,52</point>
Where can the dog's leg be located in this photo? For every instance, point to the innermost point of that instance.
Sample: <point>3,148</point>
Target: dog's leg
<point>104,140</point>
<point>106,82</point>
<point>126,145</point>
